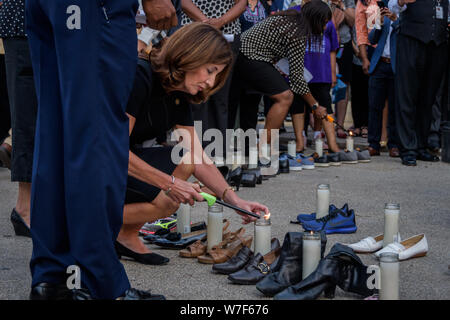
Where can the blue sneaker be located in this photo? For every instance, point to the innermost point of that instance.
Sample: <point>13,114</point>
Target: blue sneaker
<point>336,222</point>
<point>307,162</point>
<point>302,217</point>
<point>295,164</point>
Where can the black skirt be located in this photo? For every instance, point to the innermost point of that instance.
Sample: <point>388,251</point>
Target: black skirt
<point>159,158</point>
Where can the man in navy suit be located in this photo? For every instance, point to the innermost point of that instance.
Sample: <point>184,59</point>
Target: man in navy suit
<point>381,84</point>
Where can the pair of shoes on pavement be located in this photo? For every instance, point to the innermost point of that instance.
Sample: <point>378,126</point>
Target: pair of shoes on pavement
<point>326,159</point>
<point>337,221</point>
<point>416,246</point>
<point>299,162</point>
<point>411,160</point>
<point>49,291</point>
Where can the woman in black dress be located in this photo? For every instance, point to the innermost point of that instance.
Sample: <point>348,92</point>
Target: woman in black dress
<point>190,66</point>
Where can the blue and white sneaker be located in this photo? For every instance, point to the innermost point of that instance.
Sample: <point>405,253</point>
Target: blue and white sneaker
<point>307,162</point>
<point>336,222</point>
<point>303,217</point>
<point>294,163</point>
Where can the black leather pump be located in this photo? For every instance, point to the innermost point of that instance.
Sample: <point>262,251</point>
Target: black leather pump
<point>20,227</point>
<point>144,258</point>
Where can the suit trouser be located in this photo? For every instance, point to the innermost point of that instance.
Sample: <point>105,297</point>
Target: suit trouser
<point>83,79</point>
<point>5,117</point>
<point>381,87</point>
<point>420,68</point>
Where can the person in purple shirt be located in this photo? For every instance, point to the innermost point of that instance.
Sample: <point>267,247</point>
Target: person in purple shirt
<point>320,61</point>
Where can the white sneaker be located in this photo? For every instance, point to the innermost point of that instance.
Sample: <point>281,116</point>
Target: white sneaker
<point>368,245</point>
<point>413,247</point>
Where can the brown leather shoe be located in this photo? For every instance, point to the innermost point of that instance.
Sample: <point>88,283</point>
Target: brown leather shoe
<point>373,152</point>
<point>394,152</point>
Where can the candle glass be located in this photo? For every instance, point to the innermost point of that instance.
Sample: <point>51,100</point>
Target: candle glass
<point>390,272</point>
<point>319,147</point>
<point>184,219</point>
<point>215,225</point>
<point>262,236</point>
<point>292,148</point>
<point>311,253</point>
<point>349,143</point>
<point>323,200</point>
<point>253,158</point>
<point>391,217</point>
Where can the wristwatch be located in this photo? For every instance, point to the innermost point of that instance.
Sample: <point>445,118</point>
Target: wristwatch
<point>314,106</point>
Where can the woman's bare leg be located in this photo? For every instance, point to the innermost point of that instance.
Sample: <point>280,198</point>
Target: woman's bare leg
<point>137,214</point>
<point>298,121</point>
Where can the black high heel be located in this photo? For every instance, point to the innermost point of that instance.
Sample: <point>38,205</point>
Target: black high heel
<point>235,177</point>
<point>144,258</point>
<point>20,227</point>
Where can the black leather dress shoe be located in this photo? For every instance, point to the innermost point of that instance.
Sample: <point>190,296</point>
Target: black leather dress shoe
<point>409,160</point>
<point>135,294</point>
<point>240,260</point>
<point>256,172</point>
<point>235,263</point>
<point>20,227</point>
<point>130,294</point>
<point>144,258</point>
<point>426,156</point>
<point>257,268</point>
<point>49,291</point>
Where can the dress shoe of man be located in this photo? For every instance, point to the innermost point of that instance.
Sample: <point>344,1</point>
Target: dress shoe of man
<point>49,291</point>
<point>394,153</point>
<point>409,161</point>
<point>130,294</point>
<point>373,152</point>
<point>426,156</point>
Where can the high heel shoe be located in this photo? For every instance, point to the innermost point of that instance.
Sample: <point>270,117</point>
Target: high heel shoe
<point>235,177</point>
<point>144,258</point>
<point>20,227</point>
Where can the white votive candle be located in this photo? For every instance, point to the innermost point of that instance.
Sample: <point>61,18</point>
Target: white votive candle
<point>319,146</point>
<point>292,148</point>
<point>215,225</point>
<point>262,236</point>
<point>349,142</point>
<point>323,200</point>
<point>253,158</point>
<point>184,218</point>
<point>391,217</point>
<point>390,273</point>
<point>311,253</point>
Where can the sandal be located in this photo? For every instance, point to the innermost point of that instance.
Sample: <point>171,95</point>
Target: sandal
<point>223,252</point>
<point>198,248</point>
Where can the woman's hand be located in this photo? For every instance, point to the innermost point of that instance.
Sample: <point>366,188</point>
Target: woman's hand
<point>184,192</point>
<point>320,112</point>
<point>216,23</point>
<point>161,14</point>
<point>366,65</point>
<point>253,207</point>
<point>385,12</point>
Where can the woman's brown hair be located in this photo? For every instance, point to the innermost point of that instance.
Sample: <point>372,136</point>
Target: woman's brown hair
<point>189,48</point>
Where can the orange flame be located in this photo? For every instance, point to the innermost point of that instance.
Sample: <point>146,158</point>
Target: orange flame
<point>267,216</point>
<point>351,133</point>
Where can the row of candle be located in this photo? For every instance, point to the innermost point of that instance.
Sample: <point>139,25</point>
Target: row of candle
<point>389,265</point>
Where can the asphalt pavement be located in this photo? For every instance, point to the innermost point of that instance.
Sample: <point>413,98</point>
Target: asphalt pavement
<point>423,193</point>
